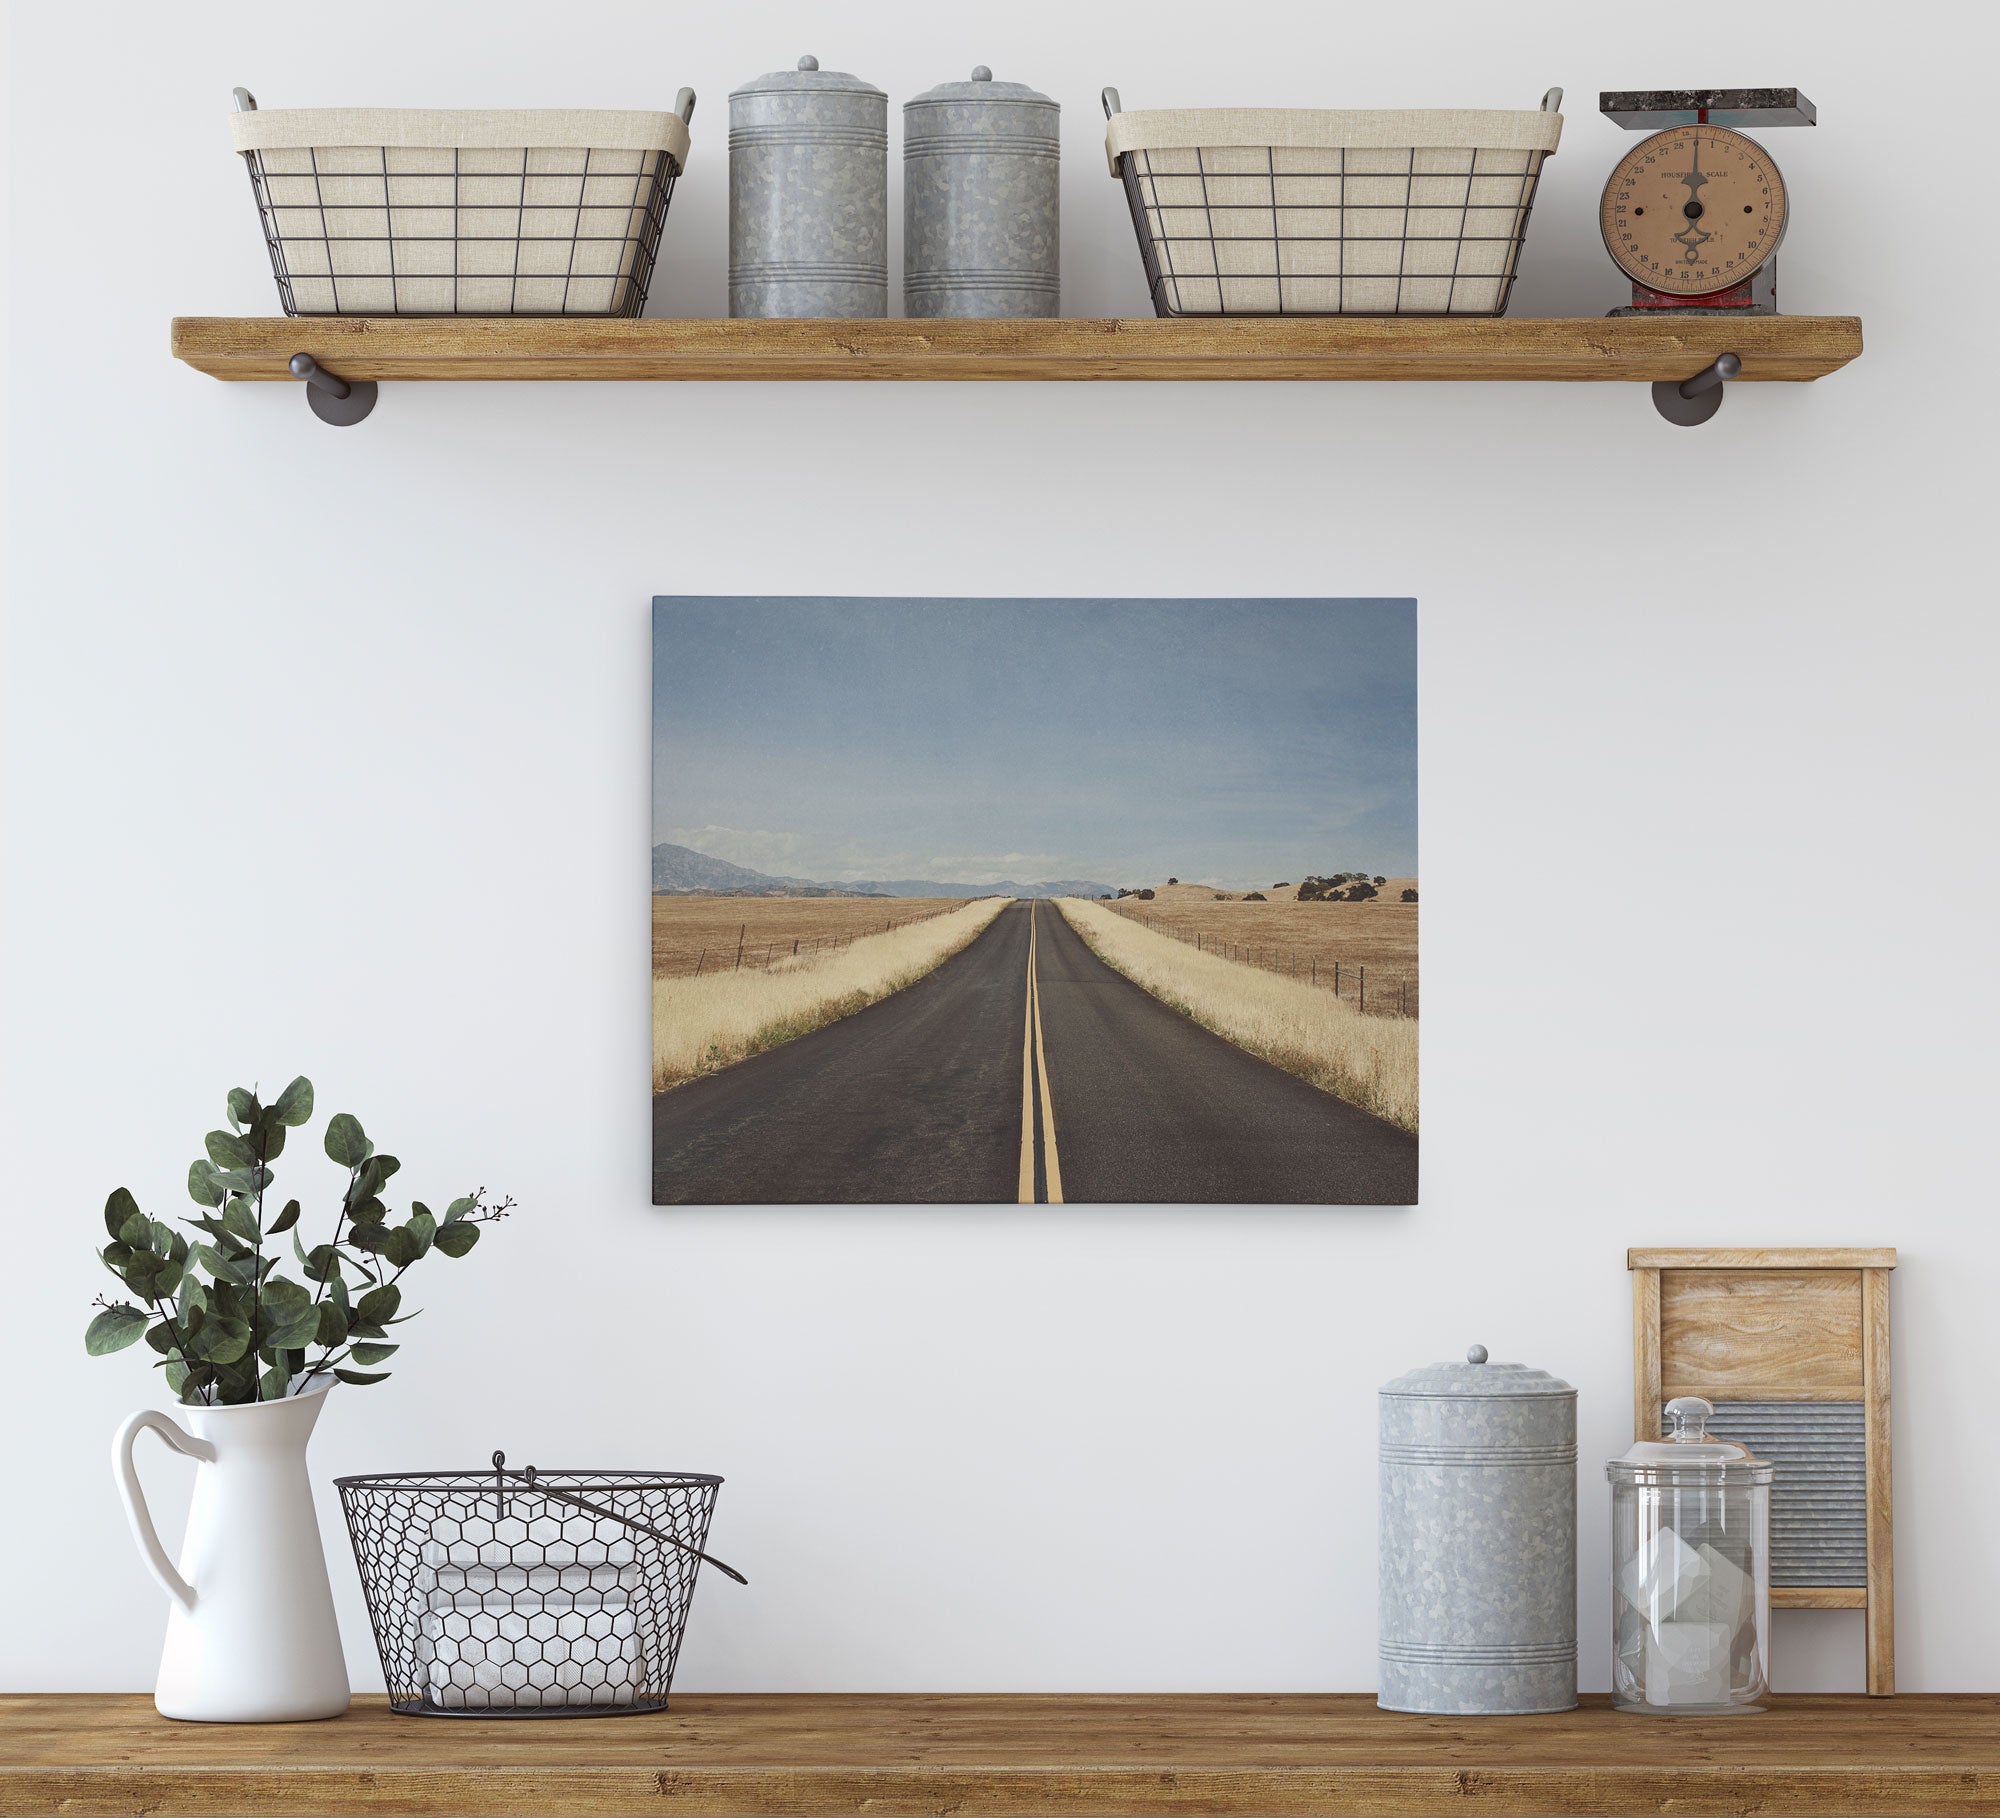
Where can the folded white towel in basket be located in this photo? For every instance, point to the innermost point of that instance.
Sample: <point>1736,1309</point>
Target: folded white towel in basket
<point>499,1632</point>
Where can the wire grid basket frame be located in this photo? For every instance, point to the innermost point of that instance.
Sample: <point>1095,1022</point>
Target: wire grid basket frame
<point>490,1596</point>
<point>1273,231</point>
<point>416,231</point>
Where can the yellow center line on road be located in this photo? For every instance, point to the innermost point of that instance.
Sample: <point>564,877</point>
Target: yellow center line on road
<point>1050,1166</point>
<point>1034,1060</point>
<point>1026,1194</point>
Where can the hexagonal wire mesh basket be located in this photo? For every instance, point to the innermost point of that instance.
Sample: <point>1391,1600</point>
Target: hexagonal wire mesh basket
<point>525,1593</point>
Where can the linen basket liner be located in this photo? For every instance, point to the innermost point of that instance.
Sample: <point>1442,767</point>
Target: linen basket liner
<point>1306,128</point>
<point>464,128</point>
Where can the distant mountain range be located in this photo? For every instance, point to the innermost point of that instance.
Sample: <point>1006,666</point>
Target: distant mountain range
<point>680,870</point>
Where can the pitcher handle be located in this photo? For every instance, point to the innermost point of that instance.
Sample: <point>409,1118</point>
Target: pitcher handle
<point>136,1511</point>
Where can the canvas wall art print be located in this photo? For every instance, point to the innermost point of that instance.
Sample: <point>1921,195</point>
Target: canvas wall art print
<point>979,901</point>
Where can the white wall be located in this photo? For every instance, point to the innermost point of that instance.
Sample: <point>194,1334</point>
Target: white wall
<point>327,752</point>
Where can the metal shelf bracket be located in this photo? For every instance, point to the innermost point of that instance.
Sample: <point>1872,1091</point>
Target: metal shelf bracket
<point>1697,399</point>
<point>340,401</point>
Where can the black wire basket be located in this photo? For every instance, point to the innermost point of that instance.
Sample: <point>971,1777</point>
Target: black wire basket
<point>525,1593</point>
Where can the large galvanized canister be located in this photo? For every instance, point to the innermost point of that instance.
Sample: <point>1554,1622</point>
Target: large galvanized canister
<point>981,199</point>
<point>1477,1607</point>
<point>808,195</point>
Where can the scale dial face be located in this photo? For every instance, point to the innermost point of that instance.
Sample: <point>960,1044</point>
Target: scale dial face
<point>1692,210</point>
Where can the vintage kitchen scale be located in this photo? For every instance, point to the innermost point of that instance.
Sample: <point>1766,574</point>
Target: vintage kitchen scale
<point>1694,214</point>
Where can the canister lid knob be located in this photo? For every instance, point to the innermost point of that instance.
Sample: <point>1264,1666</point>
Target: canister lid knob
<point>981,73</point>
<point>808,63</point>
<point>1475,1353</point>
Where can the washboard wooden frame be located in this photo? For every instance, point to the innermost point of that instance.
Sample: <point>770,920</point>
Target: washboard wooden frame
<point>1792,1346</point>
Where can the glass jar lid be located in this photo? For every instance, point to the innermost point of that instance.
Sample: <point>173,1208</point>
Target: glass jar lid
<point>1688,1453</point>
<point>1476,1377</point>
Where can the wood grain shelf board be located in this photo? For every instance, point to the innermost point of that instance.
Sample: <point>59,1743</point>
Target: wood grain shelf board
<point>1012,1757</point>
<point>1349,347</point>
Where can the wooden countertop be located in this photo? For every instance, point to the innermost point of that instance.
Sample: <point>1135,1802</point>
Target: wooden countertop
<point>967,1757</point>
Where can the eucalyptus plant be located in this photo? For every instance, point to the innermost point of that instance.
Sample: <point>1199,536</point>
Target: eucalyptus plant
<point>228,1325</point>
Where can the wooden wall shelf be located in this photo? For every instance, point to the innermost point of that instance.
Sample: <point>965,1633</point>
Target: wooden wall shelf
<point>1021,1757</point>
<point>1785,348</point>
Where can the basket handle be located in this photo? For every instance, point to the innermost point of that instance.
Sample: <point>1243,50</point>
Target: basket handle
<point>684,106</point>
<point>134,1497</point>
<point>1552,102</point>
<point>527,1476</point>
<point>1112,105</point>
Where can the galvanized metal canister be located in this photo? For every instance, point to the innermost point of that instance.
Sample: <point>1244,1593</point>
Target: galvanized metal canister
<point>808,195</point>
<point>1477,1608</point>
<point>981,199</point>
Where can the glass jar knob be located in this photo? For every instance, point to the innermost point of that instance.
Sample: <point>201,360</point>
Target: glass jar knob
<point>1687,1418</point>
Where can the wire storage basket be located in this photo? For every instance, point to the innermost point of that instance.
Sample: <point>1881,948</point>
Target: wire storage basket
<point>1313,212</point>
<point>419,212</point>
<point>527,1593</point>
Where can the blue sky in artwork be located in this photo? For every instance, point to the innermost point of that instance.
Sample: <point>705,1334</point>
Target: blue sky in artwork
<point>1233,742</point>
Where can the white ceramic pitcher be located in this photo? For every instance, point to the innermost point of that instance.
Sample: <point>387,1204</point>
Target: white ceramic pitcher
<point>251,1636</point>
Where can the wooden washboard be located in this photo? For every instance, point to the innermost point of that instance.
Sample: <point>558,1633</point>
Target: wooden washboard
<point>1792,1347</point>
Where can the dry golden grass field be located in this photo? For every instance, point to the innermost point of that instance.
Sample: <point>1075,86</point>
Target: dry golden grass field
<point>728,1014</point>
<point>691,931</point>
<point>1301,940</point>
<point>1370,1061</point>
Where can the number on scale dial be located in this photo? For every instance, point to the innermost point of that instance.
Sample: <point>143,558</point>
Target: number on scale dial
<point>1692,210</point>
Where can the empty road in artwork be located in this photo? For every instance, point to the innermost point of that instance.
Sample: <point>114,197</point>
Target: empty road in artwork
<point>1023,1069</point>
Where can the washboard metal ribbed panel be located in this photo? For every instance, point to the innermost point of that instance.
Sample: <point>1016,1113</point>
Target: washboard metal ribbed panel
<point>1819,1492</point>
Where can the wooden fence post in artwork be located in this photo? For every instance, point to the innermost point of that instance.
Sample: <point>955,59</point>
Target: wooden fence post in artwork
<point>740,932</point>
<point>795,950</point>
<point>1362,1001</point>
<point>1336,978</point>
<point>697,964</point>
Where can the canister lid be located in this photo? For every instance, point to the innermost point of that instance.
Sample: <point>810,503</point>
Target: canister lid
<point>1476,1377</point>
<point>1688,1452</point>
<point>982,87</point>
<point>807,79</point>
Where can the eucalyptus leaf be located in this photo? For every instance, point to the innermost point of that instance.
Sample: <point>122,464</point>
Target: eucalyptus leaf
<point>177,1377</point>
<point>269,1138</point>
<point>345,1142</point>
<point>161,1338</point>
<point>379,1304</point>
<point>331,1330</point>
<point>166,1279</point>
<point>120,1207</point>
<point>221,1340</point>
<point>275,1382</point>
<point>456,1239</point>
<point>116,1258</point>
<point>372,1238</point>
<point>228,1150</point>
<point>136,1231</point>
<point>402,1247</point>
<point>203,1186</point>
<point>240,1221</point>
<point>295,1103</point>
<point>242,1106</point>
<point>362,1376</point>
<point>373,1354</point>
<point>285,1219</point>
<point>368,1211</point>
<point>297,1332</point>
<point>285,1299</point>
<point>467,1202</point>
<point>323,1263</point>
<point>114,1329</point>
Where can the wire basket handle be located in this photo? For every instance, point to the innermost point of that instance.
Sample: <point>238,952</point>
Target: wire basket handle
<point>527,1476</point>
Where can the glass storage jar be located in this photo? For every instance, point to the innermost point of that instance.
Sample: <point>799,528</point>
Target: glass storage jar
<point>1690,1570</point>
